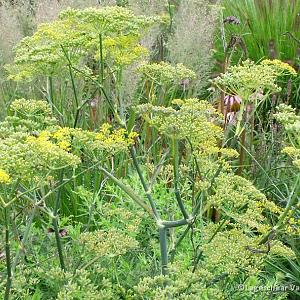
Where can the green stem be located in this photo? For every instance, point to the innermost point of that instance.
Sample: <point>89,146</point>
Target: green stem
<point>129,191</point>
<point>7,255</point>
<point>101,62</point>
<point>73,86</point>
<point>144,184</point>
<point>50,90</point>
<point>163,250</point>
<point>176,223</point>
<point>218,229</point>
<point>176,178</point>
<point>101,88</point>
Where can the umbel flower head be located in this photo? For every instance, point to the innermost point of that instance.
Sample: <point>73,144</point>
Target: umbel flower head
<point>192,119</point>
<point>249,77</point>
<point>77,32</point>
<point>105,140</point>
<point>165,73</point>
<point>287,116</point>
<point>29,149</point>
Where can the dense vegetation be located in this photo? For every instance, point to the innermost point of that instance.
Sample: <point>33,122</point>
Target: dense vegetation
<point>150,150</point>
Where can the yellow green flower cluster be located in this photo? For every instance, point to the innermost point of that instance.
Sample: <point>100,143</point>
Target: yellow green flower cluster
<point>192,119</point>
<point>230,252</point>
<point>105,139</point>
<point>282,67</point>
<point>30,107</point>
<point>236,197</point>
<point>27,115</point>
<point>31,148</point>
<point>4,177</point>
<point>292,225</point>
<point>124,50</point>
<point>287,116</point>
<point>78,33</point>
<point>33,157</point>
<point>165,73</point>
<point>248,78</point>
<point>103,243</point>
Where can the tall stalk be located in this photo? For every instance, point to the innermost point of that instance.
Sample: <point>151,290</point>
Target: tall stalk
<point>163,249</point>
<point>7,255</point>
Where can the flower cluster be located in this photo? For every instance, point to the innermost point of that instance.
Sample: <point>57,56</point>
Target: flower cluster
<point>33,157</point>
<point>27,108</point>
<point>103,243</point>
<point>165,73</point>
<point>287,116</point>
<point>32,146</point>
<point>27,116</point>
<point>191,119</point>
<point>77,33</point>
<point>237,198</point>
<point>248,78</point>
<point>282,67</point>
<point>105,139</point>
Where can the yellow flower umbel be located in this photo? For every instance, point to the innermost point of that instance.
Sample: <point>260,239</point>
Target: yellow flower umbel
<point>192,119</point>
<point>106,139</point>
<point>4,177</point>
<point>77,31</point>
<point>281,66</point>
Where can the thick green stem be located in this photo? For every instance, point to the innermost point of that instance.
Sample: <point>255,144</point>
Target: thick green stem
<point>163,250</point>
<point>176,223</point>
<point>7,255</point>
<point>176,178</point>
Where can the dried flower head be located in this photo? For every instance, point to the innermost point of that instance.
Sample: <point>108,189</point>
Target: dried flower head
<point>232,20</point>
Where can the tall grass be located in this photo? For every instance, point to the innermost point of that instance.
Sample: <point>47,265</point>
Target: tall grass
<point>264,27</point>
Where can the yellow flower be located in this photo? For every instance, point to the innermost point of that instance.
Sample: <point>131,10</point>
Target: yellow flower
<point>280,65</point>
<point>64,145</point>
<point>4,177</point>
